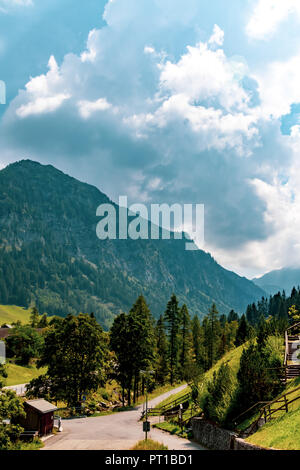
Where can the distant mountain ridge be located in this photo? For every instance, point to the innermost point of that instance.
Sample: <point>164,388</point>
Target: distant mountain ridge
<point>279,280</point>
<point>50,254</point>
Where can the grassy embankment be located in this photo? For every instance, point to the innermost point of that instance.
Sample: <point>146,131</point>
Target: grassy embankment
<point>283,431</point>
<point>149,445</point>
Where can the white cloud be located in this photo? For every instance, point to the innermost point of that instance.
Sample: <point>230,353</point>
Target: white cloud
<point>203,88</point>
<point>279,86</point>
<point>217,37</point>
<point>43,93</point>
<point>87,108</point>
<point>47,104</point>
<point>268,15</point>
<point>202,74</point>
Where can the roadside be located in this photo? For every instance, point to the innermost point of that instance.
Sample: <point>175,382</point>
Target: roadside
<point>120,431</point>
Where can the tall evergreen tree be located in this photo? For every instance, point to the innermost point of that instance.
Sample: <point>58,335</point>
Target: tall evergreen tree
<point>212,335</point>
<point>120,343</point>
<point>172,320</point>
<point>243,331</point>
<point>232,316</point>
<point>141,326</point>
<point>197,344</point>
<point>185,338</point>
<point>162,351</point>
<point>34,317</point>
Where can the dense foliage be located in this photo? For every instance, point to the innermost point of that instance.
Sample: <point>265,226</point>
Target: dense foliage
<point>75,354</point>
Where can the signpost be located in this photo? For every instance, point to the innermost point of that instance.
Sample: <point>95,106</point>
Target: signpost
<point>146,423</point>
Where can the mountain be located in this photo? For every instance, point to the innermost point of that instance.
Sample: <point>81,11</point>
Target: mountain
<point>279,280</point>
<point>50,254</point>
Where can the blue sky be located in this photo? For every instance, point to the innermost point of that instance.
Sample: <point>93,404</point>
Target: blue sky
<point>166,101</point>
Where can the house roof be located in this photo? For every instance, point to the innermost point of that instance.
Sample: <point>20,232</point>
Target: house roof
<point>41,405</point>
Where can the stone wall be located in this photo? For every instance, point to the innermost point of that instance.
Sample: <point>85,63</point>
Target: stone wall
<point>212,436</point>
<point>215,438</point>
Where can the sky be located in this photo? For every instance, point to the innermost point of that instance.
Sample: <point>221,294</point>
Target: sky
<point>166,101</point>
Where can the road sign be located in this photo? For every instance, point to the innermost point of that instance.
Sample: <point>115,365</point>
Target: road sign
<point>146,426</point>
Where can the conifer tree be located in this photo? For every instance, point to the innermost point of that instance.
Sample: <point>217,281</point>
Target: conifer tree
<point>140,323</point>
<point>212,335</point>
<point>34,317</point>
<point>243,332</point>
<point>172,320</point>
<point>185,338</point>
<point>197,346</point>
<point>162,352</point>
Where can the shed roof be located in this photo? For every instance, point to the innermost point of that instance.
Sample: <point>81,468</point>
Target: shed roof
<point>41,405</point>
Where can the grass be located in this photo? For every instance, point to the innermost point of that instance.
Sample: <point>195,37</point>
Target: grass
<point>173,429</point>
<point>21,375</point>
<point>10,314</point>
<point>34,445</point>
<point>173,397</point>
<point>149,445</point>
<point>283,433</point>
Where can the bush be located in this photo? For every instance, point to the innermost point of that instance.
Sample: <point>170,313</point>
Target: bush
<point>219,395</point>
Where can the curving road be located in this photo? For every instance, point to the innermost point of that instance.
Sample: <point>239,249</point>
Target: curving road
<point>120,431</point>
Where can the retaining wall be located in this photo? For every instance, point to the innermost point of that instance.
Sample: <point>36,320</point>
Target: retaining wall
<point>215,438</point>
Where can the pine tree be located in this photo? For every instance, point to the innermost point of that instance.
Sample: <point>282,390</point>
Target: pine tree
<point>212,335</point>
<point>162,352</point>
<point>243,331</point>
<point>141,328</point>
<point>185,336</point>
<point>232,316</point>
<point>172,320</point>
<point>197,346</point>
<point>34,317</point>
<point>120,344</point>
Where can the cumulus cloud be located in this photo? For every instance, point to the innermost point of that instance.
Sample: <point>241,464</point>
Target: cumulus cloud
<point>279,86</point>
<point>268,15</point>
<point>87,108</point>
<point>41,95</point>
<point>156,109</point>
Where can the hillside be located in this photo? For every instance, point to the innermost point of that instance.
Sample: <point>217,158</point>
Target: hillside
<point>283,431</point>
<point>231,357</point>
<point>10,314</point>
<point>279,280</point>
<point>50,254</point>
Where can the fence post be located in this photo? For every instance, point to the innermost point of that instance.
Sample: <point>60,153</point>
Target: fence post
<point>286,404</point>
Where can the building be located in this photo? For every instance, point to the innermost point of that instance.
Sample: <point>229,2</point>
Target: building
<point>5,332</point>
<point>39,416</point>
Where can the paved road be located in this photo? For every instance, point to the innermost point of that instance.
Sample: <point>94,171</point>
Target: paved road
<point>120,431</point>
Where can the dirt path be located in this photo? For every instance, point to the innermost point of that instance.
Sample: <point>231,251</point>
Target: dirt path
<point>119,431</point>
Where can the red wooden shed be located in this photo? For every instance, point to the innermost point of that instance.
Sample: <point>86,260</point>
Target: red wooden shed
<point>39,416</point>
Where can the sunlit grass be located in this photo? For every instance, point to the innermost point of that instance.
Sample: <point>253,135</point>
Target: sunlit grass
<point>149,445</point>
